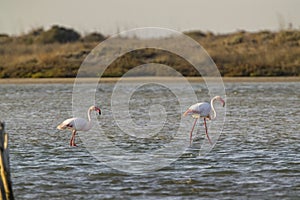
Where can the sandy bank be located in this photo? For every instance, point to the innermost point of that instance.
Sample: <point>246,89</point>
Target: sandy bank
<point>133,79</point>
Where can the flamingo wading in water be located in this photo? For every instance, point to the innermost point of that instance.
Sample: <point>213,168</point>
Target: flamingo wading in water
<point>78,124</point>
<point>203,110</point>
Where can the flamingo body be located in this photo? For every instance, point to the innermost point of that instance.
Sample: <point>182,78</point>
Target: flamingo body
<point>75,123</point>
<point>198,110</point>
<point>78,124</point>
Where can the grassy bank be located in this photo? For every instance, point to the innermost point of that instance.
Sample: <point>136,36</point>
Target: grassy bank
<point>140,79</point>
<point>58,52</point>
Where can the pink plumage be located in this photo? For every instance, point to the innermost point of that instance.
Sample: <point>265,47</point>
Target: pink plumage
<point>203,109</point>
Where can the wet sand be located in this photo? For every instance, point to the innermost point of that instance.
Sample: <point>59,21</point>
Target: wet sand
<point>134,79</point>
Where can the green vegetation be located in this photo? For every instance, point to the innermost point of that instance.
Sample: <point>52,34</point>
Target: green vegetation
<point>59,52</point>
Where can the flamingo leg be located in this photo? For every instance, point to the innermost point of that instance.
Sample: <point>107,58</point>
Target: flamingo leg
<point>206,131</point>
<point>191,134</point>
<point>72,141</point>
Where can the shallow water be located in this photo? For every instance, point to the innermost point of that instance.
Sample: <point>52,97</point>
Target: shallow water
<point>256,156</point>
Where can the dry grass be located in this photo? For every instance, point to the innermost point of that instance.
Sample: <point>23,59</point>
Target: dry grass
<point>238,54</point>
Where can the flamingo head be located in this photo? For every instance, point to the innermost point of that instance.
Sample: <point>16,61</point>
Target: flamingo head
<point>95,108</point>
<point>98,110</point>
<point>220,99</point>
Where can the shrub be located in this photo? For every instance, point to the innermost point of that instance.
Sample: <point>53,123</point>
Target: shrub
<point>236,39</point>
<point>4,38</point>
<point>58,34</point>
<point>36,32</point>
<point>287,36</point>
<point>195,34</point>
<point>93,37</point>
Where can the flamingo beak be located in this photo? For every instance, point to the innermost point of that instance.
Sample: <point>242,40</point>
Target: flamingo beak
<point>98,110</point>
<point>223,102</point>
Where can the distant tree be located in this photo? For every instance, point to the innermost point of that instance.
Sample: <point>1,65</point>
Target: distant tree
<point>58,34</point>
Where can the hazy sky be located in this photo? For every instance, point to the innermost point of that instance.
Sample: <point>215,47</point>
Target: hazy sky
<point>111,16</point>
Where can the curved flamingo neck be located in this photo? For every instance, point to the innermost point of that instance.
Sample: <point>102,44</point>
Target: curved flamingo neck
<point>213,108</point>
<point>89,123</point>
<point>89,114</point>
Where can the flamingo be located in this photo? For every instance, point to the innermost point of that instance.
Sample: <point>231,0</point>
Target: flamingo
<point>78,124</point>
<point>203,110</point>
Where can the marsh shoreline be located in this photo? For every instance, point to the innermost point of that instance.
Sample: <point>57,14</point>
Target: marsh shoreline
<point>136,79</point>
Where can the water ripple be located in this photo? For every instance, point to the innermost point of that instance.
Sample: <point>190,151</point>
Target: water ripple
<point>256,157</point>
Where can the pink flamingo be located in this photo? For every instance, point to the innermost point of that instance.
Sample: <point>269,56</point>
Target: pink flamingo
<point>202,110</point>
<point>78,124</point>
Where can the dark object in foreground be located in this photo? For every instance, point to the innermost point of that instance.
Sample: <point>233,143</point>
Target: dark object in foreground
<point>5,181</point>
